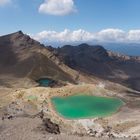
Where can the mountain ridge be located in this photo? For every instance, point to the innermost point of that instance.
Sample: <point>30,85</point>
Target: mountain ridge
<point>97,61</point>
<point>24,57</point>
<point>21,56</point>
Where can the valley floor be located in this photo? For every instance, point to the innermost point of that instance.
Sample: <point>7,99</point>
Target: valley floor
<point>20,119</point>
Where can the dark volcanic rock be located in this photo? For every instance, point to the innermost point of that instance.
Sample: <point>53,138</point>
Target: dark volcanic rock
<point>97,61</point>
<point>51,127</point>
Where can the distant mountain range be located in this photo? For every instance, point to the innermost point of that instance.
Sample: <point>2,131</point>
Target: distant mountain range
<point>132,49</point>
<point>23,58</point>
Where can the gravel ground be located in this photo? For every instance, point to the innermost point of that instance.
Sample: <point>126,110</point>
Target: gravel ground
<point>32,129</point>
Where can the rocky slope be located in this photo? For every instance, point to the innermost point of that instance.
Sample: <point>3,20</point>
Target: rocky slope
<point>24,60</point>
<point>97,61</point>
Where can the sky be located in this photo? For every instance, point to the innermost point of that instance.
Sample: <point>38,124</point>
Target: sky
<point>72,20</point>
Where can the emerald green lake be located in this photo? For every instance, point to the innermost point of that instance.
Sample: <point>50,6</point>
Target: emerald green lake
<point>44,82</point>
<point>84,106</point>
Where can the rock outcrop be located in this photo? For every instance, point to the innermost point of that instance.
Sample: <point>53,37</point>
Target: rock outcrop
<point>51,127</point>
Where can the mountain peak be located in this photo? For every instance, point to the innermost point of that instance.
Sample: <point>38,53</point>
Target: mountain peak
<point>19,36</point>
<point>20,32</point>
<point>17,39</point>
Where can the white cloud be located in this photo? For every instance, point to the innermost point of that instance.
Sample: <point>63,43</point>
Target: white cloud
<point>4,2</point>
<point>107,35</point>
<point>57,7</point>
<point>64,36</point>
<point>134,35</point>
<point>111,35</point>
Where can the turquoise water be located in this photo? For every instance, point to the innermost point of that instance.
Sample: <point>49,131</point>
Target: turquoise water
<point>84,106</point>
<point>44,82</point>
